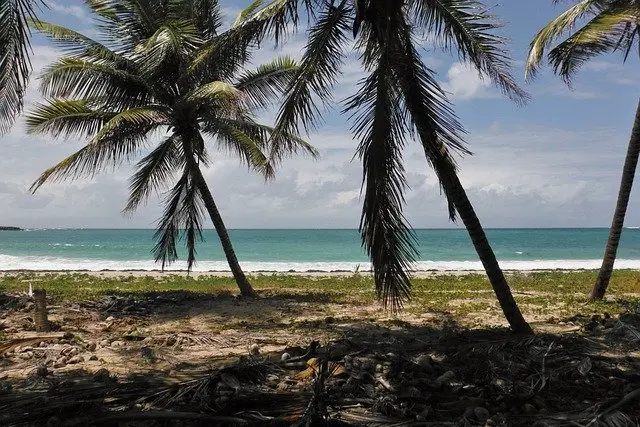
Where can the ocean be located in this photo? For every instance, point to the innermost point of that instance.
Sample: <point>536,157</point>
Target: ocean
<point>311,250</point>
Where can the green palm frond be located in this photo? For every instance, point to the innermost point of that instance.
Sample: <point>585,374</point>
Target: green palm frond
<point>168,228</point>
<point>76,78</point>
<point>76,44</point>
<point>600,35</point>
<point>263,85</point>
<point>15,64</point>
<point>175,39</point>
<point>249,148</point>
<point>563,23</point>
<point>151,116</point>
<point>316,76</point>
<point>205,14</point>
<point>183,209</point>
<point>216,91</point>
<point>380,124</point>
<point>96,156</point>
<point>247,12</point>
<point>61,117</point>
<point>274,18</point>
<point>465,27</point>
<point>153,171</point>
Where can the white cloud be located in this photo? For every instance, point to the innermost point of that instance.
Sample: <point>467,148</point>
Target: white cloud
<point>465,83</point>
<point>66,9</point>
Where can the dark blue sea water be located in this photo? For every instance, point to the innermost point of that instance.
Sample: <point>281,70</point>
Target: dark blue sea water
<point>302,250</point>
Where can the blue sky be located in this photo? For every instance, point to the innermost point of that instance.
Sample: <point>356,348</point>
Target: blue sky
<point>552,163</point>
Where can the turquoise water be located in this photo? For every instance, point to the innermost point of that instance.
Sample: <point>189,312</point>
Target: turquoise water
<point>302,250</point>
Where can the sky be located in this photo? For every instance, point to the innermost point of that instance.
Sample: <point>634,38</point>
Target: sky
<point>555,162</point>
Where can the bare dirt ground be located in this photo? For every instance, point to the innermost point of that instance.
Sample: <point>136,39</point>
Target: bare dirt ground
<point>258,362</point>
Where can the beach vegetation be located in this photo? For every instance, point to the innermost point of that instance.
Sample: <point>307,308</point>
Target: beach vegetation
<point>165,83</point>
<point>609,26</point>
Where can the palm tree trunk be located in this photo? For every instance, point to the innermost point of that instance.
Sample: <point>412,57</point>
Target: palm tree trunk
<point>489,261</point>
<point>221,229</point>
<point>628,173</point>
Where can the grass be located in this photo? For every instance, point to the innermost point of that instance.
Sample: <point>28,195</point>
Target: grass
<point>555,294</point>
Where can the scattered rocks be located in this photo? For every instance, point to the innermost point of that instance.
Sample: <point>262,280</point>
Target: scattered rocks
<point>104,343</point>
<point>170,341</point>
<point>68,336</point>
<point>118,343</point>
<point>91,346</point>
<point>254,350</point>
<point>93,357</point>
<point>26,356</point>
<point>61,362</point>
<point>285,357</point>
<point>75,359</point>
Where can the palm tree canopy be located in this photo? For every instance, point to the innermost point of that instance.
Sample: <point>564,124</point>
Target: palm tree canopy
<point>142,88</point>
<point>15,65</point>
<point>399,99</point>
<point>611,25</point>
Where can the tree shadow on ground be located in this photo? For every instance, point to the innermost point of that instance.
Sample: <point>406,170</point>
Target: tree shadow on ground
<point>373,374</point>
<point>171,305</point>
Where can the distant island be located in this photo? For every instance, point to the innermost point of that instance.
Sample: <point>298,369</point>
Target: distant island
<point>5,228</point>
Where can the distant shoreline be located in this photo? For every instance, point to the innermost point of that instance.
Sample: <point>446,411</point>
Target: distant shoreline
<point>9,228</point>
<point>157,274</point>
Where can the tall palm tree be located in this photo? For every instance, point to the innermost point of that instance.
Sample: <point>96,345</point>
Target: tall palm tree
<point>400,99</point>
<point>612,25</point>
<point>146,85</point>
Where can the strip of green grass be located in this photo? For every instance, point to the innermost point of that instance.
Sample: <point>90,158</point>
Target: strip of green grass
<point>555,294</point>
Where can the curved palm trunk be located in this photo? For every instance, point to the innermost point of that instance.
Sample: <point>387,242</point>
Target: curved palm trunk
<point>221,229</point>
<point>628,173</point>
<point>489,261</point>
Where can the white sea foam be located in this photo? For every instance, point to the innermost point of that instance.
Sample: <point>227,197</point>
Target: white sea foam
<point>9,262</point>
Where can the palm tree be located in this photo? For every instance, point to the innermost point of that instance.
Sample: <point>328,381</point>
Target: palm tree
<point>148,84</point>
<point>400,99</point>
<point>612,26</point>
<point>15,65</point>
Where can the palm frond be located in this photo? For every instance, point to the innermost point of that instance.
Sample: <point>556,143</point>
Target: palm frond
<point>96,156</point>
<point>205,14</point>
<point>249,147</point>
<point>150,116</point>
<point>15,64</point>
<point>61,117</point>
<point>435,123</point>
<point>600,35</point>
<point>184,208</point>
<point>153,171</point>
<point>174,39</point>
<point>168,230</point>
<point>217,91</point>
<point>82,79</point>
<point>380,124</point>
<point>563,23</point>
<point>76,44</point>
<point>316,76</point>
<point>274,18</point>
<point>465,27</point>
<point>267,82</point>
<point>247,12</point>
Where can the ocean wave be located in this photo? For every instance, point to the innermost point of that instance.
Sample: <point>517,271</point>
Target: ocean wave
<point>43,263</point>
